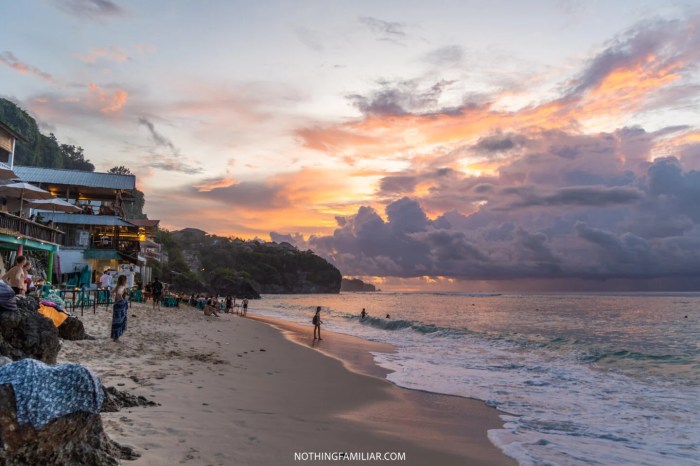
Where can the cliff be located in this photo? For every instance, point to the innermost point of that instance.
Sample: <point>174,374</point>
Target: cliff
<point>199,261</point>
<point>356,285</point>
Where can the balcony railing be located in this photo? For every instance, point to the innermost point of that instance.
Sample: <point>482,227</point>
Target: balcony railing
<point>14,225</point>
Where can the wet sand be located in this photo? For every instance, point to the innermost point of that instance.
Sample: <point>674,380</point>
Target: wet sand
<point>234,390</point>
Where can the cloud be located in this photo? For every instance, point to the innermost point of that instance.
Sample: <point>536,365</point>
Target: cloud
<point>596,196</point>
<point>402,98</point>
<point>174,161</point>
<point>10,60</point>
<point>391,31</point>
<point>648,229</point>
<point>114,54</point>
<point>445,56</point>
<point>158,138</point>
<point>107,102</point>
<point>210,184</point>
<point>91,9</point>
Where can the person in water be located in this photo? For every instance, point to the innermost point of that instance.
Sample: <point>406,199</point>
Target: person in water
<point>363,314</point>
<point>388,316</point>
<point>317,323</point>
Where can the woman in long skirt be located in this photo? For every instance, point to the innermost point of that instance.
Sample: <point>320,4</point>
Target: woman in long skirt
<point>120,307</point>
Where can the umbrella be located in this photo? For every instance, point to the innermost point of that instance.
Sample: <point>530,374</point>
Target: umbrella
<point>7,174</point>
<point>25,191</point>
<point>55,205</point>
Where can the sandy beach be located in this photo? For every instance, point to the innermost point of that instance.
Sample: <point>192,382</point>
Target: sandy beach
<point>235,390</point>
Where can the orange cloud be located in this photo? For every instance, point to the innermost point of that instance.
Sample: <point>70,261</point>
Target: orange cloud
<point>10,60</point>
<point>211,184</point>
<point>107,103</point>
<point>114,54</point>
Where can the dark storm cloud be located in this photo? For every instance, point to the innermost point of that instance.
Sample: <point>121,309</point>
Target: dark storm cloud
<point>499,143</point>
<point>649,229</point>
<point>591,196</point>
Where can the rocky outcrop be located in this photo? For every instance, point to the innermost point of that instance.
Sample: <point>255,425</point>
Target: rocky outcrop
<point>73,329</point>
<point>76,438</point>
<point>24,333</point>
<point>115,400</point>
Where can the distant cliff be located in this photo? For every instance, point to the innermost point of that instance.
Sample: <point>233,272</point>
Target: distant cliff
<point>355,284</point>
<point>202,262</point>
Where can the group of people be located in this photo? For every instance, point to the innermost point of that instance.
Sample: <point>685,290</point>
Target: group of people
<point>18,277</point>
<point>212,305</point>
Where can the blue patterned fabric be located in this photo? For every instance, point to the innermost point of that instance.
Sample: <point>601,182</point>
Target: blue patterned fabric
<point>119,318</point>
<point>44,393</point>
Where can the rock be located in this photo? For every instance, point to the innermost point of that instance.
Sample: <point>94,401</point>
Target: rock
<point>76,438</point>
<point>115,400</point>
<point>24,333</point>
<point>72,329</point>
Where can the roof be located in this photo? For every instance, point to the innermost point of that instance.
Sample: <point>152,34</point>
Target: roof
<point>12,132</point>
<point>75,178</point>
<point>85,219</point>
<point>143,222</point>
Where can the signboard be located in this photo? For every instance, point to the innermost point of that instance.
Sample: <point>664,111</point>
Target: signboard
<point>83,238</point>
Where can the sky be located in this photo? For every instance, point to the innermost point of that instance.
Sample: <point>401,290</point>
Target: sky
<point>419,145</point>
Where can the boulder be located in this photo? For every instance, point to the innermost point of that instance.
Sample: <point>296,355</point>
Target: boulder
<point>76,438</point>
<point>24,333</point>
<point>115,400</point>
<point>72,329</point>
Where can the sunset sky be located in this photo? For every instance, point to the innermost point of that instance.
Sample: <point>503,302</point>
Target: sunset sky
<point>458,145</point>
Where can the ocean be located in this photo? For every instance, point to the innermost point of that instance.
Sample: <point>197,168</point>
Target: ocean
<point>586,379</point>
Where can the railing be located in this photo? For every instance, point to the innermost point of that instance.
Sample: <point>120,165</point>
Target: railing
<point>13,225</point>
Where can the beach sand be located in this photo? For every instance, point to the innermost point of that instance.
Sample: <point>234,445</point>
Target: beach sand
<point>235,391</point>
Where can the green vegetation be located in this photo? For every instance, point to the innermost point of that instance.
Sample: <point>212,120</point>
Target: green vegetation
<point>48,152</point>
<point>40,150</point>
<point>196,261</point>
<point>199,261</point>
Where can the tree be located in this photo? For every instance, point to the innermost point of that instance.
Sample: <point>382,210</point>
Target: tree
<point>74,158</point>
<point>120,170</point>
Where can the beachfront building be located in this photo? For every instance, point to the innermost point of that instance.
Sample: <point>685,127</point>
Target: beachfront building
<point>19,234</point>
<point>98,237</point>
<point>150,249</point>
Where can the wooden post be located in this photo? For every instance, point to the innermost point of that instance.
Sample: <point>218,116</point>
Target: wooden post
<point>49,268</point>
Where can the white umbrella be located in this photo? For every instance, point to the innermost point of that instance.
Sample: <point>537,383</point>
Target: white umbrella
<point>25,191</point>
<point>55,205</point>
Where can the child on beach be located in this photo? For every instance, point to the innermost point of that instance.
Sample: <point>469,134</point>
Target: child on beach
<point>317,323</point>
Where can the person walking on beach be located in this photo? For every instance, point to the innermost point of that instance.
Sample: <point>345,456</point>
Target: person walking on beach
<point>157,289</point>
<point>15,276</point>
<point>317,323</point>
<point>119,310</point>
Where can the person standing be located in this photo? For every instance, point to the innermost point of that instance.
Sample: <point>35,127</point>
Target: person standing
<point>317,323</point>
<point>157,289</point>
<point>105,280</point>
<point>121,305</point>
<point>229,304</point>
<point>244,311</point>
<point>15,276</point>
